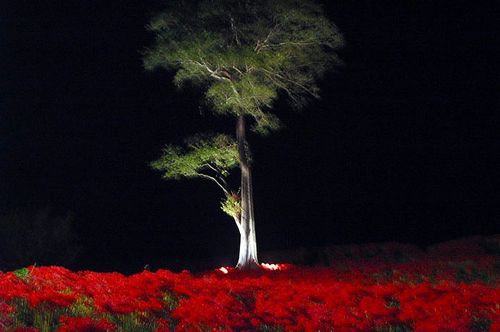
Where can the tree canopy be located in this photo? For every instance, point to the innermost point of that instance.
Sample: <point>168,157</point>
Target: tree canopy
<point>208,156</point>
<point>244,53</point>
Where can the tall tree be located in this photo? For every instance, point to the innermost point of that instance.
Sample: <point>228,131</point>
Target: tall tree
<point>243,53</point>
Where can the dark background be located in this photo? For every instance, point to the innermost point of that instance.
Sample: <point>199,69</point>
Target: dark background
<point>403,145</point>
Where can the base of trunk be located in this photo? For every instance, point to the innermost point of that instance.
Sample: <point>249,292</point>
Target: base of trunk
<point>247,259</point>
<point>251,265</point>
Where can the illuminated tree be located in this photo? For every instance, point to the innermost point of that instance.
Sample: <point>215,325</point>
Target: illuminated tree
<point>243,53</point>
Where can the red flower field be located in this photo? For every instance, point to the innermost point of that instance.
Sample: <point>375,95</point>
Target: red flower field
<point>442,291</point>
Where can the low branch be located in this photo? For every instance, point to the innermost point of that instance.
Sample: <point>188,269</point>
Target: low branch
<point>211,167</point>
<point>218,174</point>
<point>226,192</point>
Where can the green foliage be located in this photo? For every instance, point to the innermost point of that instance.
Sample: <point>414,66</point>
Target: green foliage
<point>468,272</point>
<point>393,303</point>
<point>46,318</point>
<point>270,328</point>
<point>394,327</point>
<point>82,307</point>
<point>134,322</point>
<point>43,318</point>
<point>202,155</point>
<point>243,53</point>
<point>231,205</point>
<point>171,300</point>
<point>480,324</point>
<point>23,314</point>
<point>22,273</point>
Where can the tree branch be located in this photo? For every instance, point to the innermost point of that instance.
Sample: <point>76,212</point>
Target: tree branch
<point>213,73</point>
<point>218,174</point>
<point>271,74</point>
<point>215,180</point>
<point>235,31</point>
<point>302,43</point>
<point>261,45</point>
<point>211,167</point>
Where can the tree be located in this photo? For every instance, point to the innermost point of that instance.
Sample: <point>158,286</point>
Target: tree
<point>244,54</point>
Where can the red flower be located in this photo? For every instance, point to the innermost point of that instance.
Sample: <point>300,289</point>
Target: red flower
<point>363,295</point>
<point>84,324</point>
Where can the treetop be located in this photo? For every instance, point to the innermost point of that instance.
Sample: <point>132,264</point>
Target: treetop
<point>244,53</point>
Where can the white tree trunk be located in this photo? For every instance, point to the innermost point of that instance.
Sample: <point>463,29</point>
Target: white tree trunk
<point>248,243</point>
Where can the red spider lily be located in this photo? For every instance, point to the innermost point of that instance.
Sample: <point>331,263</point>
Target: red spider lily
<point>84,324</point>
<point>356,295</point>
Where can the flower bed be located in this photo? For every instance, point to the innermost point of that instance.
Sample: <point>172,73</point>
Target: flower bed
<point>422,295</point>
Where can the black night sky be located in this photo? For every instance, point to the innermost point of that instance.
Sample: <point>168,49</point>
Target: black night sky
<point>403,146</point>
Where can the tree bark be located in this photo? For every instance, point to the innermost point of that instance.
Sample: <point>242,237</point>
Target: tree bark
<point>248,243</point>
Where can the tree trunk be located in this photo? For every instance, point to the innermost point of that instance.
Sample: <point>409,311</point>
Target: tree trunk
<point>248,243</point>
